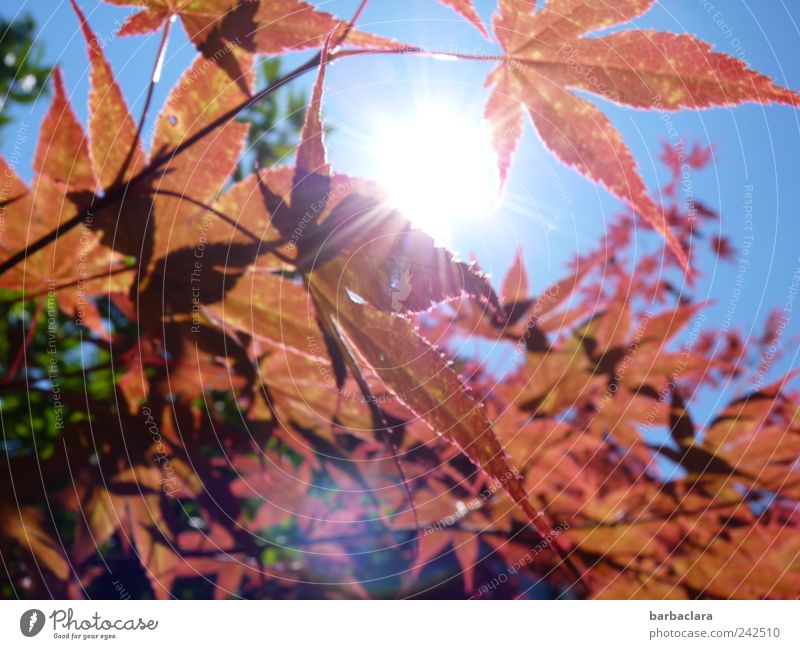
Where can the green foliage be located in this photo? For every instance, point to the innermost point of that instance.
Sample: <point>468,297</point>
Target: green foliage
<point>23,73</point>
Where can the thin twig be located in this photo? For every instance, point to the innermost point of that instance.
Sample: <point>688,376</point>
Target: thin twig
<point>24,297</point>
<point>379,421</point>
<point>268,246</point>
<point>154,79</point>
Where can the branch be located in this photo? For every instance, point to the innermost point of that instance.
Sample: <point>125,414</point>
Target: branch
<point>351,24</point>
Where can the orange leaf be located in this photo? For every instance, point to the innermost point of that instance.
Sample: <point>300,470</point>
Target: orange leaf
<point>547,57</point>
<point>505,117</point>
<point>26,526</point>
<point>62,152</point>
<point>467,10</point>
<point>394,267</point>
<point>515,284</point>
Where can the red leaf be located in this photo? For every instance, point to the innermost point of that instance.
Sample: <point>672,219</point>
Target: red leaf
<point>203,94</point>
<point>62,152</point>
<point>262,26</point>
<point>467,10</point>
<point>116,151</point>
<point>422,379</point>
<point>394,267</point>
<point>515,284</point>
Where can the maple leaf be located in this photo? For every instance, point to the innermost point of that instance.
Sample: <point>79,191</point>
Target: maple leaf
<point>756,561</point>
<point>74,268</point>
<point>101,518</point>
<point>311,154</point>
<point>194,177</point>
<point>418,375</point>
<point>349,224</point>
<point>377,246</point>
<point>515,283</point>
<point>62,152</point>
<point>117,153</point>
<point>467,9</point>
<point>262,26</point>
<point>309,351</point>
<point>65,172</point>
<point>546,57</point>
<point>269,308</point>
<point>400,291</point>
<point>26,527</point>
<point>742,444</point>
<point>150,528</point>
<point>407,363</point>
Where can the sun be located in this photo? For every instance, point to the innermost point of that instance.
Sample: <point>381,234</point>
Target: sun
<point>439,170</point>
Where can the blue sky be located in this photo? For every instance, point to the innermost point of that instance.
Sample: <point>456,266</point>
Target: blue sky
<point>549,210</point>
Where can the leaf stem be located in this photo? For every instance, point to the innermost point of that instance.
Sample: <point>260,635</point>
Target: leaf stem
<point>22,353</point>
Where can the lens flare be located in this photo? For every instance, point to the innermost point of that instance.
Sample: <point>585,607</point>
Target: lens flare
<point>439,171</point>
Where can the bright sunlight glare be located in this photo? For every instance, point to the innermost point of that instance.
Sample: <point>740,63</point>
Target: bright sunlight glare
<point>439,170</point>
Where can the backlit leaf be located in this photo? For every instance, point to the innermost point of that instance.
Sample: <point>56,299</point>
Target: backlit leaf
<point>547,57</point>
